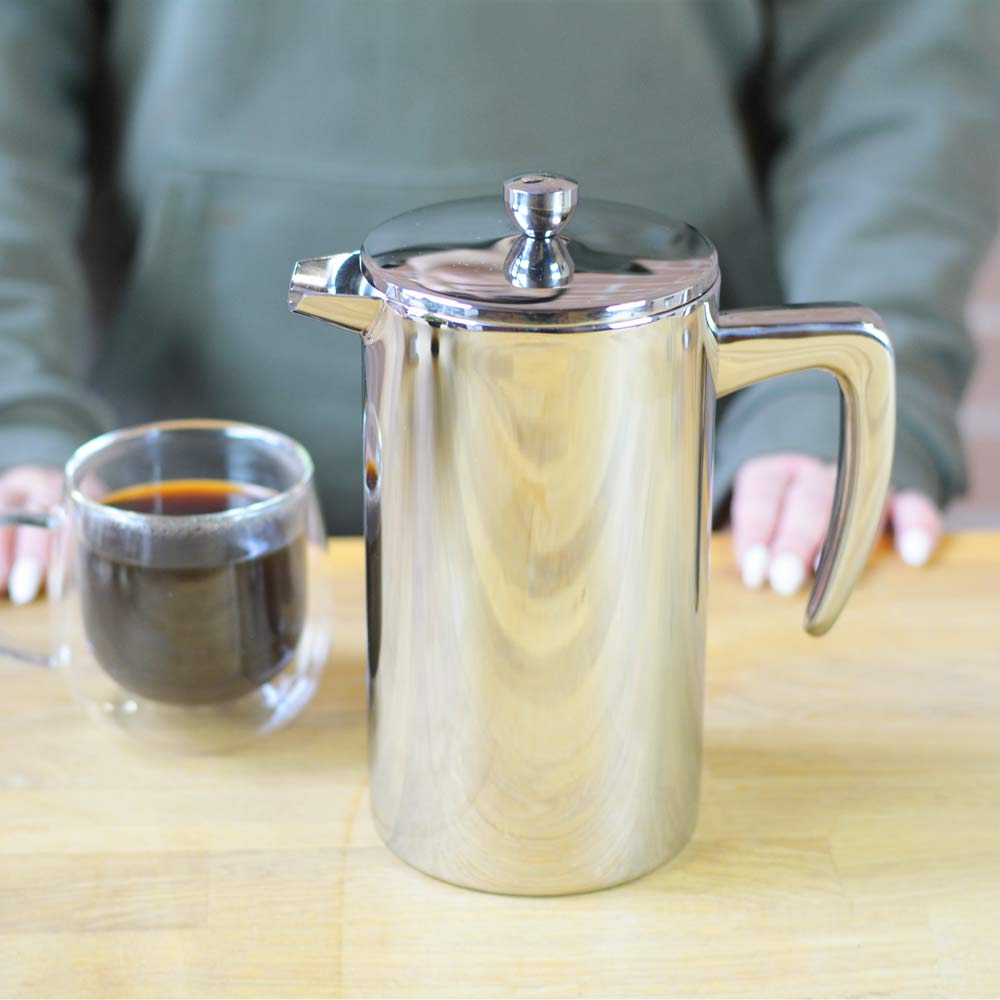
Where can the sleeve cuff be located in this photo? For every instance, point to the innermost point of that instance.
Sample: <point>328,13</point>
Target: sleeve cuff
<point>913,468</point>
<point>43,421</point>
<point>38,445</point>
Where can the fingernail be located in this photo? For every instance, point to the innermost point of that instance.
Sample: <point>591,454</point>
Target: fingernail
<point>754,568</point>
<point>787,574</point>
<point>915,546</point>
<point>25,580</point>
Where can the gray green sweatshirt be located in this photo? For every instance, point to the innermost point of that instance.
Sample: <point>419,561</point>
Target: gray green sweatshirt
<point>163,163</point>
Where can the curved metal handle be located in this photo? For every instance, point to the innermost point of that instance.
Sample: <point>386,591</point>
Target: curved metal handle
<point>25,520</point>
<point>849,342</point>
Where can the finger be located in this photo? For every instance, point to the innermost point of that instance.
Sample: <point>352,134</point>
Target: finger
<point>916,526</point>
<point>31,561</point>
<point>802,526</point>
<point>757,497</point>
<point>10,500</point>
<point>6,556</point>
<point>43,490</point>
<point>34,489</point>
<point>29,481</point>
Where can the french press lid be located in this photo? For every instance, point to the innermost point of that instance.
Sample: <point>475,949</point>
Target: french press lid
<point>538,257</point>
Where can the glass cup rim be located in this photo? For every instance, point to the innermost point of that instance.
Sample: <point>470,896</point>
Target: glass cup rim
<point>226,428</point>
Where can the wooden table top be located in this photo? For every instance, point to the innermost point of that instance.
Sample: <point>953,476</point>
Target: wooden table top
<point>849,839</point>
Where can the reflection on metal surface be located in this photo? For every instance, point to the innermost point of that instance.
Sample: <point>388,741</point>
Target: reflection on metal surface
<point>468,263</point>
<point>537,521</point>
<point>537,502</point>
<point>541,540</point>
<point>537,263</point>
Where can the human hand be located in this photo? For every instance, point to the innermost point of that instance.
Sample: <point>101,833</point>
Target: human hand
<point>781,511</point>
<point>24,552</point>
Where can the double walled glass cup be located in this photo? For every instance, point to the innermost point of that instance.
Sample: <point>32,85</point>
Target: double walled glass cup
<point>189,604</point>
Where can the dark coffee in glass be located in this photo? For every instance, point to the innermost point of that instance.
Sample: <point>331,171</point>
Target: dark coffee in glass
<point>217,617</point>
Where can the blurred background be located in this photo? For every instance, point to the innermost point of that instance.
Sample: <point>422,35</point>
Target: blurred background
<point>980,418</point>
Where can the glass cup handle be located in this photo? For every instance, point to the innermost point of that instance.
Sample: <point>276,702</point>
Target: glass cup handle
<point>850,342</point>
<point>26,520</point>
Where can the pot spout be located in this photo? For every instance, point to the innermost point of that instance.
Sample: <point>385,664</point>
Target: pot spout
<point>334,289</point>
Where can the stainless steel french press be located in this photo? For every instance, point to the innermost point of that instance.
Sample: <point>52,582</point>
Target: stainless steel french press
<point>540,379</point>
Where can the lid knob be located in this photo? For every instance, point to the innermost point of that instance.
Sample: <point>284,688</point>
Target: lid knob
<point>540,204</point>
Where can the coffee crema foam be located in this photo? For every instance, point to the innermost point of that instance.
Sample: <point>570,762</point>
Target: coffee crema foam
<point>191,522</point>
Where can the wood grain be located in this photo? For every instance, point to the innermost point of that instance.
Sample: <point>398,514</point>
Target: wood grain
<point>849,840</point>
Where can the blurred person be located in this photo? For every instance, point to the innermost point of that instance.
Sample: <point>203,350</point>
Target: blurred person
<point>163,163</point>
